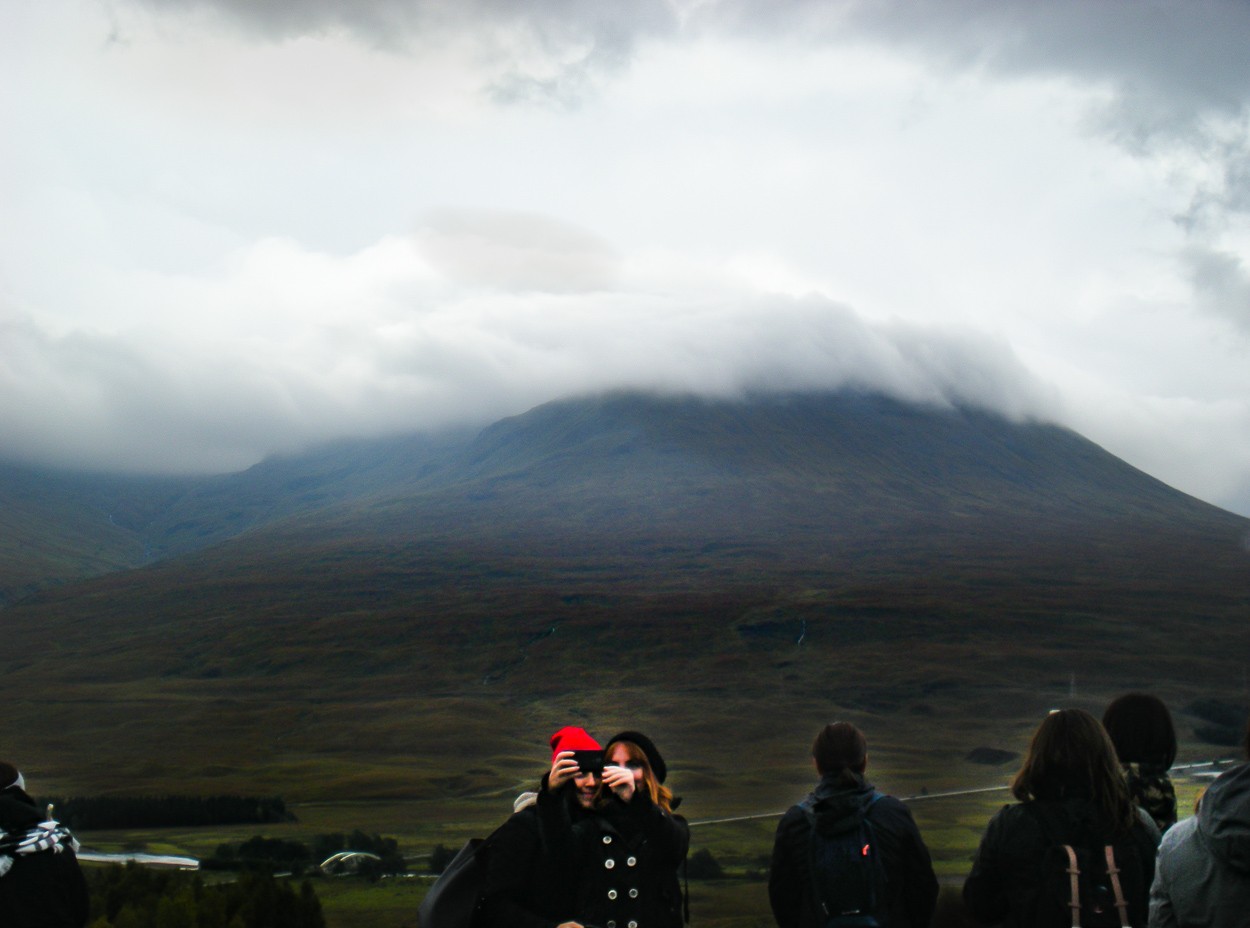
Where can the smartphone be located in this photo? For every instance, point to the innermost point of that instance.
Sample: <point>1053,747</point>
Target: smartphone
<point>589,761</point>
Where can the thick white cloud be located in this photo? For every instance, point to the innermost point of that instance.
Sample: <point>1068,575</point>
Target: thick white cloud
<point>237,228</point>
<point>287,348</point>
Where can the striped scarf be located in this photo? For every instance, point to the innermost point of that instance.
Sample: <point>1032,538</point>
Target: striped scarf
<point>46,836</point>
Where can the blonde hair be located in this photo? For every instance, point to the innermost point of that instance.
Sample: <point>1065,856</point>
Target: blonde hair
<point>1072,755</point>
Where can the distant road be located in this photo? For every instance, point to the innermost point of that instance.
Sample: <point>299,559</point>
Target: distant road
<point>147,860</point>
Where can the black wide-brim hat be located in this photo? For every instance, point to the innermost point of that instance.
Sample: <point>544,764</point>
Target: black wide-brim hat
<point>654,758</point>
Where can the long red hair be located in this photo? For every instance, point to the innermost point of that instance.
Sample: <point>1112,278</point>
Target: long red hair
<point>660,794</point>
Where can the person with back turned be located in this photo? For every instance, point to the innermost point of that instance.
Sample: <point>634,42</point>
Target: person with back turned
<point>849,855</point>
<point>1141,729</point>
<point>1202,878</point>
<point>41,885</point>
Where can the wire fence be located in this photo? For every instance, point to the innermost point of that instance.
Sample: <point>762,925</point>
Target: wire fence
<point>1199,770</point>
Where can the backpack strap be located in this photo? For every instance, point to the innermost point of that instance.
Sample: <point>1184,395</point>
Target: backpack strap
<point>1074,874</point>
<point>806,806</point>
<point>1114,872</point>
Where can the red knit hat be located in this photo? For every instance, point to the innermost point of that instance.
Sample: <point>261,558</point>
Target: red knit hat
<point>572,739</point>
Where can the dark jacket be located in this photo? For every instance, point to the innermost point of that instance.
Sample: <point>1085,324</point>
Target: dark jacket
<point>1202,877</point>
<point>531,866</point>
<point>911,887</point>
<point>630,855</point>
<point>45,889</point>
<point>1007,872</point>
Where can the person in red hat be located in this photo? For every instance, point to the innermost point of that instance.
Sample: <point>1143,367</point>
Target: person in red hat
<point>531,878</point>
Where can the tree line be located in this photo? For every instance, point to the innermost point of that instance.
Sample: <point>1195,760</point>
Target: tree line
<point>271,854</point>
<point>109,813</point>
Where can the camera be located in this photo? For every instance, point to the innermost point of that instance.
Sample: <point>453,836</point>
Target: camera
<point>589,761</point>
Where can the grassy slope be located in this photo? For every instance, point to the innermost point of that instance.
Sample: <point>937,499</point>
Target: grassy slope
<point>49,536</point>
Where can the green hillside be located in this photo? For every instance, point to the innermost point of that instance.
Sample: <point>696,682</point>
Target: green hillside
<point>696,567</point>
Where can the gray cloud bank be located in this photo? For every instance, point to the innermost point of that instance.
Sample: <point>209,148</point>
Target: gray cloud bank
<point>1168,61</point>
<point>1175,74</point>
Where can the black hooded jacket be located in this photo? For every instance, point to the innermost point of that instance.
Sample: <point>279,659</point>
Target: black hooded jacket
<point>45,889</point>
<point>911,886</point>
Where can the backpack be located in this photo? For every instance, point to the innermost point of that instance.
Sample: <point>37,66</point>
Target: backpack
<point>453,899</point>
<point>1099,886</point>
<point>847,874</point>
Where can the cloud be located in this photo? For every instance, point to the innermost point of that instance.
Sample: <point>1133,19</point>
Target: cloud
<point>1222,283</point>
<point>391,23</point>
<point>547,51</point>
<point>517,251</point>
<point>1166,59</point>
<point>381,342</point>
<point>256,225</point>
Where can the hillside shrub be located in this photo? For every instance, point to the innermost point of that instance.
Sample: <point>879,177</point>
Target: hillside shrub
<point>703,866</point>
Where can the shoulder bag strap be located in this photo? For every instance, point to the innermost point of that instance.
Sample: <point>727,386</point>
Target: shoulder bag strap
<point>1114,872</point>
<point>1074,873</point>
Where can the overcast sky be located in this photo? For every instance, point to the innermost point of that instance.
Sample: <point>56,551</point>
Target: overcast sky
<point>238,227</point>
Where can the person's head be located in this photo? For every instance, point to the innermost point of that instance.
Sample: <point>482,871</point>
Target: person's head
<point>1071,755</point>
<point>585,782</point>
<point>1141,729</point>
<point>840,748</point>
<point>636,752</point>
<point>10,776</point>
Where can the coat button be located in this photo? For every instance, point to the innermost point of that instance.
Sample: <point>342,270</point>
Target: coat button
<point>631,861</point>
<point>607,839</point>
<point>633,894</point>
<point>609,863</point>
<point>611,924</point>
<point>632,924</point>
<point>611,893</point>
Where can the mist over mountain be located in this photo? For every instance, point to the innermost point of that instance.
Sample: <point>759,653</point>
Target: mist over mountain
<point>356,601</point>
<point>791,475</point>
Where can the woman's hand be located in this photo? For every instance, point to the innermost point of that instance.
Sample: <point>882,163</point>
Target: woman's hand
<point>563,768</point>
<point>621,781</point>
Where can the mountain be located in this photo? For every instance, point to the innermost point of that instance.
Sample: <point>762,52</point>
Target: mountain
<point>58,527</point>
<point>369,617</point>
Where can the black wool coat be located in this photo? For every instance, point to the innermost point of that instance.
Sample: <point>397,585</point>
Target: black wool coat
<point>630,856</point>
